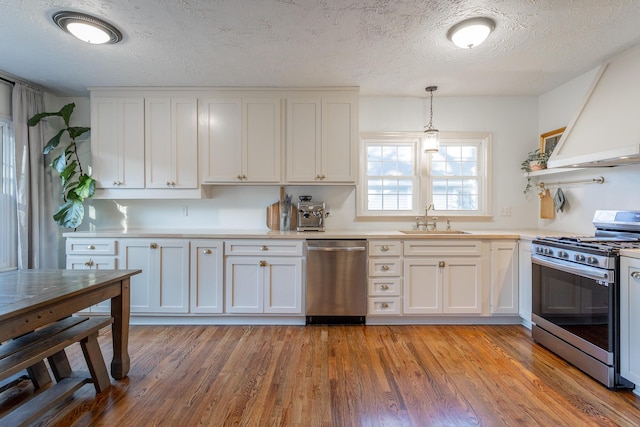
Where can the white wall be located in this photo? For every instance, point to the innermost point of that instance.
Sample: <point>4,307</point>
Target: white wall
<point>557,108</point>
<point>512,120</point>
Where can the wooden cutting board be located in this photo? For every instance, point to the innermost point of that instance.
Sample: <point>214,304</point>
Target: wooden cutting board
<point>273,217</point>
<point>547,208</point>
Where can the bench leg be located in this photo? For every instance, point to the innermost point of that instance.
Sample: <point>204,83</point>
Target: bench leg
<point>60,365</point>
<point>95,362</point>
<point>39,374</point>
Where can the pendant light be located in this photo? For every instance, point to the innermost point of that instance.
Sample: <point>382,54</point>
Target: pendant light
<point>431,139</point>
<point>87,28</point>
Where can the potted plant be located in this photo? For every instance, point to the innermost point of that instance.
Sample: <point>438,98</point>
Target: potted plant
<point>536,160</point>
<point>76,184</point>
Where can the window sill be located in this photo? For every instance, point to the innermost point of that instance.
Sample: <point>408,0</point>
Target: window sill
<point>412,218</point>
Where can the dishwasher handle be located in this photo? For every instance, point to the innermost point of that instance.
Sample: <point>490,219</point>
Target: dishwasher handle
<point>336,249</point>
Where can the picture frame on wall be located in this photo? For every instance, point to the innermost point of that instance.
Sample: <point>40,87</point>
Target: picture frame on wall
<point>549,140</point>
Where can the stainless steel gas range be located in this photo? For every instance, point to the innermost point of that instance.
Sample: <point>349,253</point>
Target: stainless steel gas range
<point>576,294</point>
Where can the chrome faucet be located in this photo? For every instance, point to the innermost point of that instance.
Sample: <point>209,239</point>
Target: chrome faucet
<point>428,226</point>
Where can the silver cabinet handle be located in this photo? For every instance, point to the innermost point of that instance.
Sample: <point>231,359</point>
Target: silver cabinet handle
<point>91,247</point>
<point>635,275</point>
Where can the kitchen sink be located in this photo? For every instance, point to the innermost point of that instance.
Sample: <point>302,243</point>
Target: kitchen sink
<point>431,232</point>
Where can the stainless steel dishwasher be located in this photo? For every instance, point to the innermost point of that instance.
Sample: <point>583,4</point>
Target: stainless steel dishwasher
<point>336,281</point>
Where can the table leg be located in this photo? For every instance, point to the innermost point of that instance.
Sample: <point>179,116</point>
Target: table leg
<point>120,311</point>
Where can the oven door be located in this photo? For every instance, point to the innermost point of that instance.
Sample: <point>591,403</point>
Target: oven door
<point>576,303</point>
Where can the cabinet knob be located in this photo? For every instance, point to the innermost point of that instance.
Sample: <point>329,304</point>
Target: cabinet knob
<point>384,305</point>
<point>441,264</point>
<point>385,268</point>
<point>263,263</point>
<point>207,251</point>
<point>91,247</point>
<point>384,287</point>
<point>116,183</point>
<point>384,248</point>
<point>635,275</point>
<point>264,248</point>
<point>239,177</point>
<point>244,176</point>
<point>153,245</point>
<point>89,263</point>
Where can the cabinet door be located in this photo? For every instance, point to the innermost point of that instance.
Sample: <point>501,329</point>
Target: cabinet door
<point>117,142</point>
<point>339,140</point>
<point>206,276</point>
<point>163,285</point>
<point>524,280</point>
<point>462,285</point>
<point>304,139</point>
<point>136,254</point>
<point>220,128</point>
<point>283,286</point>
<point>171,142</point>
<point>630,319</point>
<point>262,141</point>
<point>244,285</point>
<point>422,290</point>
<point>504,278</point>
<point>172,276</point>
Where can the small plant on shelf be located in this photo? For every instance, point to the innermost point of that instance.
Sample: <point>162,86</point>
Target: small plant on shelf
<point>535,161</point>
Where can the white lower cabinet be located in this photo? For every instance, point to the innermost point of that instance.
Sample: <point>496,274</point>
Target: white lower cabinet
<point>629,320</point>
<point>524,280</point>
<point>163,285</point>
<point>206,284</point>
<point>442,277</point>
<point>385,278</point>
<point>504,277</point>
<point>258,282</point>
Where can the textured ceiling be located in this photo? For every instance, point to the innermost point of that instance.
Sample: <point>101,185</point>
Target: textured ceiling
<point>385,47</point>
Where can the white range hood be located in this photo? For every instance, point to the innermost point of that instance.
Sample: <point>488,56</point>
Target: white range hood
<point>606,130</point>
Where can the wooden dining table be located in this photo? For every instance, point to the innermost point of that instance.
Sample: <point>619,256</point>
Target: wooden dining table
<point>30,299</point>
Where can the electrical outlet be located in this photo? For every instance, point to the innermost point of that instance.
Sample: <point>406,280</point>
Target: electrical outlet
<point>505,211</point>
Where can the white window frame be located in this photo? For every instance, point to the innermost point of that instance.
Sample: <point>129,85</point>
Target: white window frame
<point>482,140</point>
<point>8,226</point>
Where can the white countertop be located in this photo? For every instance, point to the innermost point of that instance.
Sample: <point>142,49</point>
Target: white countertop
<point>332,234</point>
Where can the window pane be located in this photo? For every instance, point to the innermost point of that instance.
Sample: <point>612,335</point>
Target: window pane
<point>374,202</point>
<point>469,154</point>
<point>405,154</point>
<point>374,152</point>
<point>468,168</point>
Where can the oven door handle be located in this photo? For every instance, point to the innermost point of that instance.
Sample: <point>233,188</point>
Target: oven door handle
<point>604,277</point>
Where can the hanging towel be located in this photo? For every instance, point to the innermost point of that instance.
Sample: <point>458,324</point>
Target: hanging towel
<point>559,200</point>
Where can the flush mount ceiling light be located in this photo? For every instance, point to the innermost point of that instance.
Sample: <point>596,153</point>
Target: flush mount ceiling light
<point>87,28</point>
<point>471,32</point>
<point>431,139</point>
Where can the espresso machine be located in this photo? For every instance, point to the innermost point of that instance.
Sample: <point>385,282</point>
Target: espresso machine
<point>311,215</point>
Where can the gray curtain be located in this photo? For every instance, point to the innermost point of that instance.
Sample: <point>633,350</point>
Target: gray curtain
<point>38,234</point>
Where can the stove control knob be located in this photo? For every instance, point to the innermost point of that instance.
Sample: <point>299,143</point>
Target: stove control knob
<point>538,249</point>
<point>563,254</point>
<point>592,260</point>
<point>548,251</point>
<point>579,258</point>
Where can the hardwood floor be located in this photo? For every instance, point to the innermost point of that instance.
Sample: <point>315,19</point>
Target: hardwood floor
<point>341,376</point>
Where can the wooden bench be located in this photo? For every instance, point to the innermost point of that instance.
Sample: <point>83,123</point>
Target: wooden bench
<point>29,352</point>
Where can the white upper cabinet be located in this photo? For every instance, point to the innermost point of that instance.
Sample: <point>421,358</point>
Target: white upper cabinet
<point>117,142</point>
<point>241,140</point>
<point>322,137</point>
<point>171,142</point>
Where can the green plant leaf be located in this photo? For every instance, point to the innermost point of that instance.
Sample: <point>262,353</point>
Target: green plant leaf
<point>70,214</point>
<point>86,186</point>
<point>66,111</point>
<point>36,118</point>
<point>76,131</point>
<point>59,163</point>
<point>53,142</point>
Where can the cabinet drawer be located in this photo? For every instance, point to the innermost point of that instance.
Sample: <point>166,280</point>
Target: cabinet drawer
<point>385,248</point>
<point>385,286</point>
<point>80,262</point>
<point>383,267</point>
<point>263,247</point>
<point>91,247</point>
<point>442,247</point>
<point>382,306</point>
